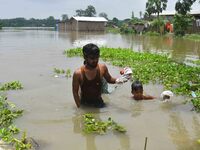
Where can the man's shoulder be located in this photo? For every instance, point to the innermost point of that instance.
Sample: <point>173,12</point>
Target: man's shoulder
<point>77,71</point>
<point>102,66</point>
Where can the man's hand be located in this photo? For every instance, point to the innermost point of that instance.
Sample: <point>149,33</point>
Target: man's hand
<point>121,80</point>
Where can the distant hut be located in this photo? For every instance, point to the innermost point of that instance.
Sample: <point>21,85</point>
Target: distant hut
<point>83,24</point>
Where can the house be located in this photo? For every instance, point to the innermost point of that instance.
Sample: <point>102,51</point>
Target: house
<point>195,28</point>
<point>83,24</point>
<point>169,15</point>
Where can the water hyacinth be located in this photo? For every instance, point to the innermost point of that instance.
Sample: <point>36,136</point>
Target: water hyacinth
<point>180,78</point>
<point>13,85</point>
<point>8,113</point>
<point>92,125</point>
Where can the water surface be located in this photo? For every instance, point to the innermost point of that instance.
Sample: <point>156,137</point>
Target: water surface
<point>51,116</point>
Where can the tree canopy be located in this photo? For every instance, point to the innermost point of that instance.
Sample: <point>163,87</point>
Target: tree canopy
<point>88,12</point>
<point>155,6</point>
<point>103,14</point>
<point>22,22</point>
<point>184,6</point>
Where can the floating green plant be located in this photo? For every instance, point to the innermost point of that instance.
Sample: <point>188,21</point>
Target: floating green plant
<point>68,73</point>
<point>92,125</point>
<point>8,113</point>
<point>62,71</point>
<point>14,85</point>
<point>59,71</point>
<point>155,68</point>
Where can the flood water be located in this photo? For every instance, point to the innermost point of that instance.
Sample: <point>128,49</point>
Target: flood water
<point>50,115</point>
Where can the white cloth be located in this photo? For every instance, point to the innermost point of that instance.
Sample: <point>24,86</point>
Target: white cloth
<point>166,93</point>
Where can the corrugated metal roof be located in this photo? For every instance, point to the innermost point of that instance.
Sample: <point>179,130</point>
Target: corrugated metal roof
<point>96,19</point>
<point>192,12</point>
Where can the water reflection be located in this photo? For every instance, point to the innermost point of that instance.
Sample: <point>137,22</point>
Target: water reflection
<point>78,126</point>
<point>180,135</point>
<point>179,48</point>
<point>137,108</point>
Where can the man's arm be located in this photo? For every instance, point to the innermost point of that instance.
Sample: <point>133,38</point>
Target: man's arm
<point>107,75</point>
<point>75,88</point>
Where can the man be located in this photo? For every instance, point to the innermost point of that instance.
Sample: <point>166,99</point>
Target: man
<point>88,78</point>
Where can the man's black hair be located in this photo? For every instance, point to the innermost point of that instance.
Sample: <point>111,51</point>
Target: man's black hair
<point>90,49</point>
<point>136,85</point>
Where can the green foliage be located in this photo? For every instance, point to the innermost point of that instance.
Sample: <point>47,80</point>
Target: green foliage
<point>92,125</point>
<point>181,23</point>
<point>65,17</point>
<point>158,24</point>
<point>151,67</point>
<point>59,71</point>
<point>68,73</point>
<point>150,33</point>
<point>126,29</point>
<point>195,37</point>
<point>1,25</point>
<point>196,99</point>
<point>184,6</point>
<point>22,22</point>
<point>196,103</point>
<point>155,6</point>
<point>62,71</point>
<point>14,85</point>
<point>8,113</point>
<point>90,11</point>
<point>103,14</point>
<point>112,30</point>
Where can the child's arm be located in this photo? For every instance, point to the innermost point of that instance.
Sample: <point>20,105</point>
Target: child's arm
<point>148,97</point>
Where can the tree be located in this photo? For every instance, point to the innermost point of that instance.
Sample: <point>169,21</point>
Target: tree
<point>80,12</point>
<point>65,17</point>
<point>132,15</point>
<point>140,14</point>
<point>50,21</point>
<point>90,11</point>
<point>184,6</point>
<point>182,20</point>
<point>156,6</point>
<point>1,25</point>
<point>103,15</point>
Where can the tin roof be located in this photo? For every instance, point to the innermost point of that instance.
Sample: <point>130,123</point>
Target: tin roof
<point>95,19</point>
<point>168,13</point>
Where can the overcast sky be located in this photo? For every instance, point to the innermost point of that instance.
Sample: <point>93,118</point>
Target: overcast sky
<point>44,8</point>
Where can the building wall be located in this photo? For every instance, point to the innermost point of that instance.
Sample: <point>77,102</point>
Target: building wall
<point>73,25</point>
<point>91,26</point>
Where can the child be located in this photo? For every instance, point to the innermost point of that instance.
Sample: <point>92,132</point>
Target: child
<point>137,91</point>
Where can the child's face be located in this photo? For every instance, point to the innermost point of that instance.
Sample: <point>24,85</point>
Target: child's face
<point>137,94</point>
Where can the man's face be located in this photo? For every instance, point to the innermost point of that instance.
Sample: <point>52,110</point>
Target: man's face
<point>92,61</point>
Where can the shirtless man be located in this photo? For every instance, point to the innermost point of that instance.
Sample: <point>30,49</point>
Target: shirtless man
<point>88,79</point>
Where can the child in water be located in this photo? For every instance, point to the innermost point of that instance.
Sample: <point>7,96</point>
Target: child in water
<point>137,91</point>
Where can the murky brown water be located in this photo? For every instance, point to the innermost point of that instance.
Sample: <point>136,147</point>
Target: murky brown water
<point>51,117</point>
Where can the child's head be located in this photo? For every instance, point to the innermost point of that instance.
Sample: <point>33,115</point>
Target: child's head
<point>137,90</point>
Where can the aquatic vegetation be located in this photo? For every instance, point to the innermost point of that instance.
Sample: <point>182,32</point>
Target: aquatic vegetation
<point>14,85</point>
<point>8,113</point>
<point>62,71</point>
<point>59,71</point>
<point>92,125</point>
<point>68,73</point>
<point>152,33</point>
<point>195,37</point>
<point>196,100</point>
<point>148,67</point>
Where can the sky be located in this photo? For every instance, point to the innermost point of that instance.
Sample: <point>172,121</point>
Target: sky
<point>41,9</point>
